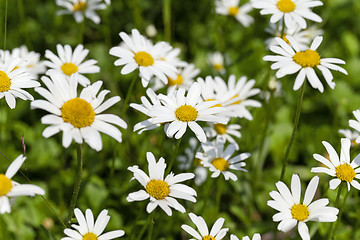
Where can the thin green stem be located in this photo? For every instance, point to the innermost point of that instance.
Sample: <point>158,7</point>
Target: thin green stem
<point>296,122</point>
<point>208,193</point>
<point>332,229</point>
<point>218,193</point>
<point>81,31</point>
<point>176,149</point>
<point>129,93</point>
<point>22,18</point>
<point>136,7</point>
<point>5,23</point>
<point>151,225</point>
<point>149,221</point>
<point>77,184</point>
<point>167,19</point>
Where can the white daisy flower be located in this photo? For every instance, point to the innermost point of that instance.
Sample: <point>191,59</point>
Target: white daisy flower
<point>81,8</point>
<point>13,79</point>
<point>162,192</point>
<point>225,131</point>
<point>151,30</point>
<point>182,112</point>
<point>289,62</point>
<point>216,60</point>
<point>69,62</point>
<point>78,117</point>
<point>292,11</point>
<point>88,229</point>
<point>139,53</point>
<point>341,168</point>
<point>355,124</point>
<point>256,236</point>
<point>232,8</point>
<point>12,189</point>
<point>220,161</point>
<point>216,232</point>
<point>292,212</point>
<point>352,135</point>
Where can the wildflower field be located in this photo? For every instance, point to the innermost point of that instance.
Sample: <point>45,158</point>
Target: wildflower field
<point>164,119</point>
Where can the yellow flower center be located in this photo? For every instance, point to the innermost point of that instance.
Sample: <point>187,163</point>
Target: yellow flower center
<point>285,5</point>
<point>308,58</point>
<point>5,82</point>
<point>186,113</point>
<point>78,112</point>
<point>220,128</point>
<point>218,66</point>
<point>158,189</point>
<point>233,11</point>
<point>178,81</point>
<point>69,68</point>
<point>299,212</point>
<point>90,236</point>
<point>208,237</point>
<point>216,105</point>
<point>5,185</point>
<point>143,59</point>
<point>81,6</point>
<point>220,164</point>
<point>345,172</point>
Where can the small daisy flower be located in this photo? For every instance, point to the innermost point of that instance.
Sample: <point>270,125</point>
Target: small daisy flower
<point>355,124</point>
<point>352,135</point>
<point>291,11</point>
<point>12,189</point>
<point>216,232</point>
<point>138,52</point>
<point>88,229</point>
<point>225,131</point>
<point>69,62</point>
<point>289,62</point>
<point>162,192</point>
<point>232,8</point>
<point>216,60</point>
<point>78,117</point>
<point>256,236</point>
<point>81,8</point>
<point>220,161</point>
<point>182,112</point>
<point>13,79</point>
<point>292,212</point>
<point>151,30</point>
<point>341,168</point>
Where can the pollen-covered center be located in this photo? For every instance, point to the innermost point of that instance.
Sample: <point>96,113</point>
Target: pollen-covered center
<point>69,68</point>
<point>285,5</point>
<point>90,236</point>
<point>220,128</point>
<point>220,164</point>
<point>233,11</point>
<point>299,212</point>
<point>308,58</point>
<point>5,82</point>
<point>178,81</point>
<point>208,237</point>
<point>345,172</point>
<point>81,6</point>
<point>78,112</point>
<point>5,185</point>
<point>143,59</point>
<point>186,113</point>
<point>158,189</point>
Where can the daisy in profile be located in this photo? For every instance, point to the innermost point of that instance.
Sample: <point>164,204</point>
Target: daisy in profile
<point>161,191</point>
<point>216,60</point>
<point>352,135</point>
<point>13,79</point>
<point>12,189</point>
<point>291,11</point>
<point>81,8</point>
<point>292,212</point>
<point>341,168</point>
<point>256,236</point>
<point>88,229</point>
<point>182,111</point>
<point>291,60</point>
<point>225,131</point>
<point>77,116</point>
<point>69,62</point>
<point>216,232</point>
<point>220,161</point>
<point>232,8</point>
<point>137,52</point>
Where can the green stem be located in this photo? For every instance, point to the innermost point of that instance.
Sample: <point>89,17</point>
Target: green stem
<point>5,23</point>
<point>129,93</point>
<point>208,193</point>
<point>167,19</point>
<point>77,184</point>
<point>296,122</point>
<point>218,193</point>
<point>136,7</point>
<point>81,31</point>
<point>168,170</point>
<point>333,225</point>
<point>151,224</point>
<point>22,18</point>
